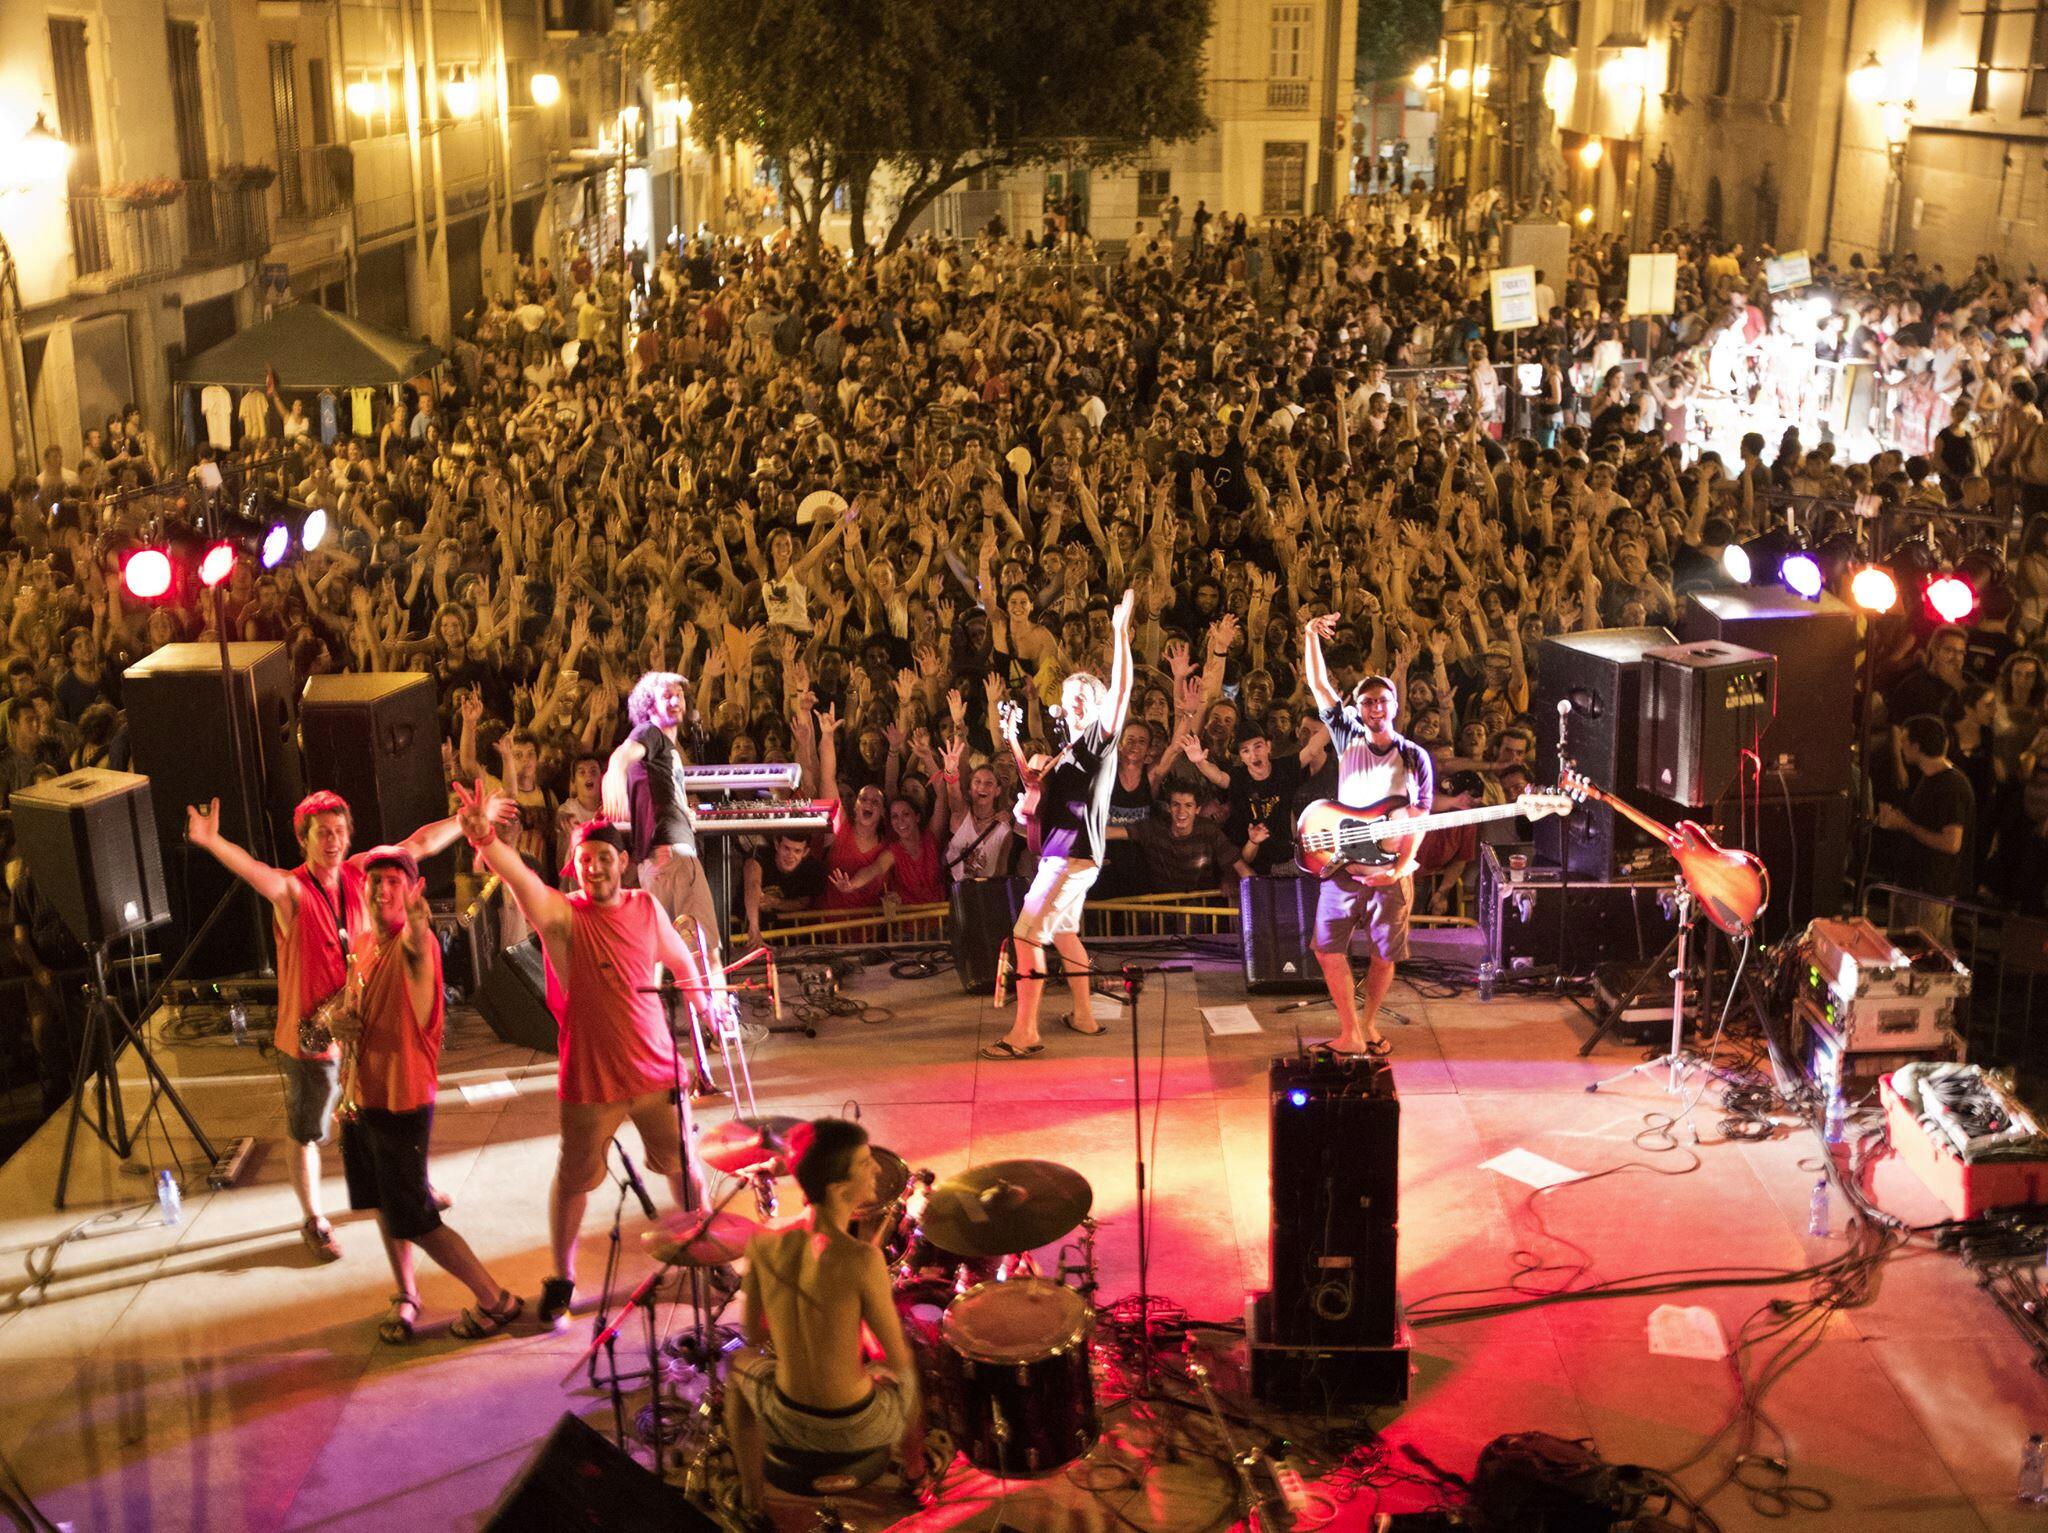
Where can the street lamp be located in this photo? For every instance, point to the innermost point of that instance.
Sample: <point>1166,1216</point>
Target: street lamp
<point>460,95</point>
<point>546,89</point>
<point>1424,77</point>
<point>1866,80</point>
<point>1591,153</point>
<point>45,157</point>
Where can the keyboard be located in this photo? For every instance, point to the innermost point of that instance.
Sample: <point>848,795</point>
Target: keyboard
<point>747,777</point>
<point>764,818</point>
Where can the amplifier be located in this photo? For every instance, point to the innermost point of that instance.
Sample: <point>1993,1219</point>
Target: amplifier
<point>1323,1375</point>
<point>1336,1146</point>
<point>1277,923</point>
<point>1539,921</point>
<point>1702,705</point>
<point>89,841</point>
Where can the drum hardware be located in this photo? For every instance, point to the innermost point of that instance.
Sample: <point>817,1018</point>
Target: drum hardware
<point>1084,1268</point>
<point>1015,1376</point>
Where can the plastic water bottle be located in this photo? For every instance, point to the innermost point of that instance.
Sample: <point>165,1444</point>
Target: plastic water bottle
<point>1487,975</point>
<point>1817,1220</point>
<point>238,1021</point>
<point>1837,1111</point>
<point>169,1203</point>
<point>2033,1488</point>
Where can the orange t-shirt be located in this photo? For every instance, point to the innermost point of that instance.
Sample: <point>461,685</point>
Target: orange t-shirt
<point>310,965</point>
<point>616,1042</point>
<point>399,1059</point>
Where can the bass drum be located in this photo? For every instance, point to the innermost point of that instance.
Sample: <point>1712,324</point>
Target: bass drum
<point>1018,1395</point>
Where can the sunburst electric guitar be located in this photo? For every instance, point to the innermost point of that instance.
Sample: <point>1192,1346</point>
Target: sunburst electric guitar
<point>1731,885</point>
<point>1336,841</point>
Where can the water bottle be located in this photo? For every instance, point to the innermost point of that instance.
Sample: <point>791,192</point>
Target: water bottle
<point>1487,974</point>
<point>1837,1111</point>
<point>1817,1220</point>
<point>2033,1489</point>
<point>238,1022</point>
<point>168,1201</point>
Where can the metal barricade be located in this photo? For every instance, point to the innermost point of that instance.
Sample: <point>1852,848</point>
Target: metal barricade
<point>2006,1022</point>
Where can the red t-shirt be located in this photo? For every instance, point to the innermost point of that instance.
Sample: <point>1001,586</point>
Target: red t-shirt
<point>1441,848</point>
<point>615,1039</point>
<point>399,1059</point>
<point>310,965</point>
<point>915,874</point>
<point>847,857</point>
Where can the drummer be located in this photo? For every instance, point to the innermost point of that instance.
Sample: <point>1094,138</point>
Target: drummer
<point>803,1382</point>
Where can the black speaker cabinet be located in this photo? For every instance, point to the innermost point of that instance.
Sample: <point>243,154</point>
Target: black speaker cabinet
<point>374,737</point>
<point>578,1482</point>
<point>1808,742</point>
<point>514,998</point>
<point>1336,1171</point>
<point>1703,705</point>
<point>178,721</point>
<point>89,841</point>
<point>1599,673</point>
<point>1804,841</point>
<point>1277,923</point>
<point>984,910</point>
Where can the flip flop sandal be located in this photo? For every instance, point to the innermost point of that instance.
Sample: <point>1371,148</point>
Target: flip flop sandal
<point>398,1328</point>
<point>1002,1048</point>
<point>476,1324</point>
<point>1378,1048</point>
<point>321,1242</point>
<point>1086,1032</point>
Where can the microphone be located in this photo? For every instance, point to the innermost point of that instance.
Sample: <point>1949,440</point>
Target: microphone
<point>633,1180</point>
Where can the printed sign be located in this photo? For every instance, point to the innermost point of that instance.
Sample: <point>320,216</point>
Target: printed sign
<point>1514,298</point>
<point>1653,283</point>
<point>1788,271</point>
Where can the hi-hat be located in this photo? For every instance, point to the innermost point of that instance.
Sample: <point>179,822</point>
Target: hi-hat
<point>688,1240</point>
<point>1006,1207</point>
<point>745,1143</point>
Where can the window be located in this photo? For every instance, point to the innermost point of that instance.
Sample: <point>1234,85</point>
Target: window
<point>75,121</point>
<point>1154,187</point>
<point>372,102</point>
<point>1987,47</point>
<point>1660,198</point>
<point>320,101</point>
<point>1568,19</point>
<point>1674,66</point>
<point>1724,50</point>
<point>1283,188</point>
<point>1784,47</point>
<point>2036,103</point>
<point>284,123</point>
<point>1287,58</point>
<point>188,121</point>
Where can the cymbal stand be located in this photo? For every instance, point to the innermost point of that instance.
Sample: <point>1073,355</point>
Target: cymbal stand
<point>601,1320</point>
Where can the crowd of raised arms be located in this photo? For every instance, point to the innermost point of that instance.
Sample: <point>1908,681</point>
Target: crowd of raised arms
<point>618,472</point>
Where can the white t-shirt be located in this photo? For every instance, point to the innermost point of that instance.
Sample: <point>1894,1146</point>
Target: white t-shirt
<point>218,406</point>
<point>989,857</point>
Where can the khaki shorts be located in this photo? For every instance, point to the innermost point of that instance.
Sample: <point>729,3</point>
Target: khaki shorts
<point>587,1128</point>
<point>1383,911</point>
<point>1053,903</point>
<point>685,894</point>
<point>877,1422</point>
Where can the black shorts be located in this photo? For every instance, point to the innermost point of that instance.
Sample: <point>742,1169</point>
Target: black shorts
<point>384,1159</point>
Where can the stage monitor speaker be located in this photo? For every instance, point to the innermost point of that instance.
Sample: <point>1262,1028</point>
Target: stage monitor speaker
<point>374,737</point>
<point>984,910</point>
<point>89,841</point>
<point>514,998</point>
<point>1336,1152</point>
<point>1803,840</point>
<point>1277,923</point>
<point>1703,705</point>
<point>578,1482</point>
<point>178,722</point>
<point>1807,746</point>
<point>1599,673</point>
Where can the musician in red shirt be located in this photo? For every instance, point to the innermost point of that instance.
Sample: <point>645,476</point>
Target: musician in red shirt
<point>320,918</point>
<point>618,1056</point>
<point>396,1029</point>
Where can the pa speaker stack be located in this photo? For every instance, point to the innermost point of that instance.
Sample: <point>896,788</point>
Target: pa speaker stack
<point>1330,1330</point>
<point>89,841</point>
<point>374,737</point>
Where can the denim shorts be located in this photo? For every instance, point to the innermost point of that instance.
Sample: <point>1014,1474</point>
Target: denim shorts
<point>312,1090</point>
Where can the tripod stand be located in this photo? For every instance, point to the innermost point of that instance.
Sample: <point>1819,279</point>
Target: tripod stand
<point>1676,1058</point>
<point>99,1062</point>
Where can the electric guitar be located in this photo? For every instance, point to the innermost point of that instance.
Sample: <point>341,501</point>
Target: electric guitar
<point>1336,841</point>
<point>1010,717</point>
<point>1731,885</point>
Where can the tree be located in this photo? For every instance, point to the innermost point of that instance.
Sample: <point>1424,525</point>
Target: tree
<point>933,90</point>
<point>1394,36</point>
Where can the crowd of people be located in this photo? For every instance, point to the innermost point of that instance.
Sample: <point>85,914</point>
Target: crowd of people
<point>858,506</point>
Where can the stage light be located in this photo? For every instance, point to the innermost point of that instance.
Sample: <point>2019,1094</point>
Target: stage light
<point>1874,590</point>
<point>147,574</point>
<point>1736,564</point>
<point>1298,1097</point>
<point>277,542</point>
<point>1801,575</point>
<point>217,564</point>
<point>1950,598</point>
<point>313,531</point>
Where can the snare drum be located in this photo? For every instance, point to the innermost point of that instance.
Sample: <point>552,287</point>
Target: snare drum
<point>1013,1373</point>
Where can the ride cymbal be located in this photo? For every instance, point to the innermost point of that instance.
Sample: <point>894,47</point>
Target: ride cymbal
<point>1006,1207</point>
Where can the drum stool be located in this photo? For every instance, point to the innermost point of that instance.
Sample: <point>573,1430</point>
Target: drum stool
<point>811,1475</point>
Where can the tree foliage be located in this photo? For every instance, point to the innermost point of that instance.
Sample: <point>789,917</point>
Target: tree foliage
<point>1394,36</point>
<point>933,90</point>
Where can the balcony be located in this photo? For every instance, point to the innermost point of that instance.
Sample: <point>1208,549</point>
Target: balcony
<point>119,241</point>
<point>1287,95</point>
<point>319,179</point>
<point>225,218</point>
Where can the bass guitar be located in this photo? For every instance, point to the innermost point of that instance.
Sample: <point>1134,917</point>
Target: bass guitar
<point>1336,841</point>
<point>1731,885</point>
<point>1010,719</point>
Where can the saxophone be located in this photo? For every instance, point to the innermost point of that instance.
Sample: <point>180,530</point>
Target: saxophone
<point>317,1033</point>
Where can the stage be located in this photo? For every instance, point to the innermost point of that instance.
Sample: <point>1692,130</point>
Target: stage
<point>213,1376</point>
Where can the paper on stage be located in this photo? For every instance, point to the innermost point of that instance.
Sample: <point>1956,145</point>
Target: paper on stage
<point>1527,1166</point>
<point>488,1091</point>
<point>1687,1331</point>
<point>1226,1020</point>
<point>1105,1008</point>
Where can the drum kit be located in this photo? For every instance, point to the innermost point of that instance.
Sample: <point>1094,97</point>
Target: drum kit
<point>1003,1348</point>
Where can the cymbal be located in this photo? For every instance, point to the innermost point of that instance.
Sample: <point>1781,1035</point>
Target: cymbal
<point>722,1239</point>
<point>1006,1207</point>
<point>744,1143</point>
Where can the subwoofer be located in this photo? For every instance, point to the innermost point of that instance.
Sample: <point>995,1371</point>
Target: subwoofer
<point>374,737</point>
<point>184,742</point>
<point>578,1482</point>
<point>1277,923</point>
<point>514,998</point>
<point>89,841</point>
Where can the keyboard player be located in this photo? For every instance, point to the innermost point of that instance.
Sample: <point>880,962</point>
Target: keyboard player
<point>671,871</point>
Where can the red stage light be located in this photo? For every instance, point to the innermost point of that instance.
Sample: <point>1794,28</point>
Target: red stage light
<point>1951,598</point>
<point>218,564</point>
<point>147,574</point>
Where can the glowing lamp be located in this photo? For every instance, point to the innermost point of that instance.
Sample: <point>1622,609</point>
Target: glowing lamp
<point>1424,76</point>
<point>147,574</point>
<point>1736,564</point>
<point>277,542</point>
<point>1591,153</point>
<point>1460,78</point>
<point>45,158</point>
<point>547,90</point>
<point>1874,590</point>
<point>460,96</point>
<point>217,564</point>
<point>365,98</point>
<point>1482,78</point>
<point>1866,80</point>
<point>1951,598</point>
<point>1585,214</point>
<point>1801,574</point>
<point>314,530</point>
